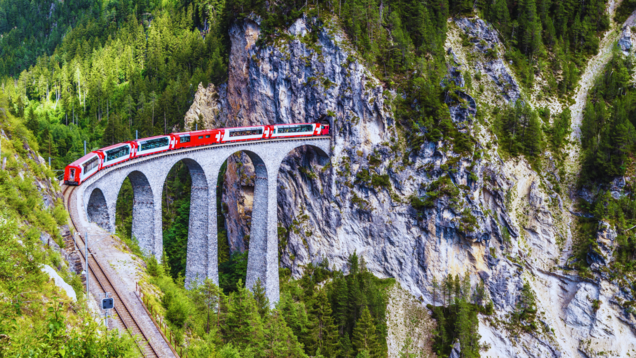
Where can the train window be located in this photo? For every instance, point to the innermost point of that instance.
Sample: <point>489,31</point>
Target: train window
<point>72,173</point>
<point>154,143</point>
<point>200,137</point>
<point>207,136</point>
<point>295,129</point>
<point>117,153</point>
<point>184,138</point>
<point>242,132</point>
<point>90,164</point>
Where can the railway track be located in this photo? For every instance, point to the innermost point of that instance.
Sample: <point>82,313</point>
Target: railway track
<point>124,314</point>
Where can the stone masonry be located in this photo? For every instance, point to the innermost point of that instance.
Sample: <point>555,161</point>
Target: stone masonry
<point>98,197</point>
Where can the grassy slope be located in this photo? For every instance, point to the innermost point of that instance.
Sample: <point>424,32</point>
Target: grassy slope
<point>36,317</point>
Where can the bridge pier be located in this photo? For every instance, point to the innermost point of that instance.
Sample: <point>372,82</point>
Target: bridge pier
<point>263,249</point>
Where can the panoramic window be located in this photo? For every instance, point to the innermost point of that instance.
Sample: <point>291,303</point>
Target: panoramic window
<point>295,129</point>
<point>154,143</point>
<point>90,164</point>
<point>243,132</point>
<point>117,153</point>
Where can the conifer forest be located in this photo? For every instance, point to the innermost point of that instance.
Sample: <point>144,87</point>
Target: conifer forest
<point>478,199</point>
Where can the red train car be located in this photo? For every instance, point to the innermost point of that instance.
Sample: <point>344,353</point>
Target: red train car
<point>197,138</point>
<point>83,168</point>
<point>114,154</point>
<point>298,130</point>
<point>239,134</point>
<point>152,145</point>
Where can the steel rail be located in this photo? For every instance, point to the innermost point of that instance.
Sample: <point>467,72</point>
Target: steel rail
<point>124,314</point>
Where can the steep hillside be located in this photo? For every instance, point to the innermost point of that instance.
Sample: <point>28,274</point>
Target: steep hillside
<point>43,311</point>
<point>482,158</point>
<point>420,207</point>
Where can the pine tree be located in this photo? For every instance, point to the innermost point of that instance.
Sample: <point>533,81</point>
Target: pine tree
<point>243,325</point>
<point>533,137</point>
<point>364,337</point>
<point>32,122</point>
<point>345,346</point>
<point>279,340</point>
<point>207,295</point>
<point>262,302</point>
<point>466,329</point>
<point>435,290</point>
<point>339,299</point>
<point>323,329</point>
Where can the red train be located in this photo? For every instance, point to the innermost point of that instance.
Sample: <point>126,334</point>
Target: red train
<point>85,167</point>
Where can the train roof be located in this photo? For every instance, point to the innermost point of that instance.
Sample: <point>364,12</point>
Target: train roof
<point>111,147</point>
<point>254,126</point>
<point>84,158</point>
<point>153,137</point>
<point>293,124</point>
<point>199,131</point>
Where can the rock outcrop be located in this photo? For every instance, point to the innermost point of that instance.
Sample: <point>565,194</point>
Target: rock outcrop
<point>205,108</point>
<point>625,41</point>
<point>499,221</point>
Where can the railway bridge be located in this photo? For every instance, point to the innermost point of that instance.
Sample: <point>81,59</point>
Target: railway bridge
<point>97,198</point>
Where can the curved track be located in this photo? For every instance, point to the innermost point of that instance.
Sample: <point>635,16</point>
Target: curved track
<point>124,314</point>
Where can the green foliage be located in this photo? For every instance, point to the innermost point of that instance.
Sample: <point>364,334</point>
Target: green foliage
<point>316,315</point>
<point>607,131</point>
<point>36,319</point>
<point>233,271</point>
<point>548,37</point>
<point>457,317</point>
<point>560,130</point>
<point>113,73</point>
<point>519,130</point>
<point>621,214</point>
<point>364,338</point>
<point>381,180</point>
<point>443,186</point>
<point>623,11</point>
<point>525,313</point>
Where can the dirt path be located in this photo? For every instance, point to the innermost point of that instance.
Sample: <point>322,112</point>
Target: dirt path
<point>594,68</point>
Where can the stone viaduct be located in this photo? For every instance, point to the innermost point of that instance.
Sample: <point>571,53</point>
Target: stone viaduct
<point>97,198</point>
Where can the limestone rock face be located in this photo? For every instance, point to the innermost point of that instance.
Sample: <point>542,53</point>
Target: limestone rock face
<point>487,41</point>
<point>499,221</point>
<point>601,253</point>
<point>205,108</point>
<point>625,41</point>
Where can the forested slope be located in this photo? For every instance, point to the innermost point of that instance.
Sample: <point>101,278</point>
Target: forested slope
<point>103,71</point>
<point>37,318</point>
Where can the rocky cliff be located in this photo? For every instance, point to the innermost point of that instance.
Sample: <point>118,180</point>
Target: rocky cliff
<point>497,220</point>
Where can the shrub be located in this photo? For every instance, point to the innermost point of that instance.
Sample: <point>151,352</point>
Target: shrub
<point>381,181</point>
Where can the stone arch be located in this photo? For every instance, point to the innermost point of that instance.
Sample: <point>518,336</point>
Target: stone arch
<point>197,254</point>
<point>143,211</point>
<point>262,263</point>
<point>303,189</point>
<point>97,209</point>
<point>310,151</point>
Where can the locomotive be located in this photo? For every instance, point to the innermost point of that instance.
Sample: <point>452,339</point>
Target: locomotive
<point>85,167</point>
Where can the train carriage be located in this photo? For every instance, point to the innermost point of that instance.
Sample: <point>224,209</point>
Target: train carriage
<point>239,134</point>
<point>152,145</point>
<point>197,138</point>
<point>114,154</point>
<point>296,130</point>
<point>83,168</point>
